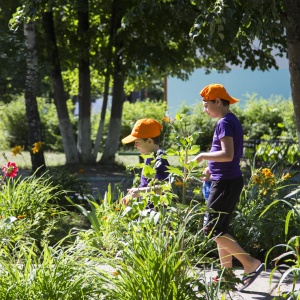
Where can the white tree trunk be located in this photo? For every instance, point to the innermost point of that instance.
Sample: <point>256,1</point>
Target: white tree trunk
<point>112,141</point>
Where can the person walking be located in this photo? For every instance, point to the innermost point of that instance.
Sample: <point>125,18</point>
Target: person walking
<point>226,180</point>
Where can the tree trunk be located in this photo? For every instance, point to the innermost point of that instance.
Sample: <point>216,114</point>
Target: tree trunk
<point>112,32</point>
<point>293,45</point>
<point>114,129</point>
<point>65,125</point>
<point>84,95</point>
<point>32,113</point>
<point>102,118</point>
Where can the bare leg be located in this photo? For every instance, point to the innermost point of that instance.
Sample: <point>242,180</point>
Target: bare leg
<point>228,247</point>
<point>225,257</point>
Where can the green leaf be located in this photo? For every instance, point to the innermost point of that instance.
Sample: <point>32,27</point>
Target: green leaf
<point>149,172</point>
<point>194,150</point>
<point>171,152</point>
<point>175,171</point>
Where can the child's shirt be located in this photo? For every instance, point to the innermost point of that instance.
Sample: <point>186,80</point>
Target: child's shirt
<point>160,166</point>
<point>229,125</point>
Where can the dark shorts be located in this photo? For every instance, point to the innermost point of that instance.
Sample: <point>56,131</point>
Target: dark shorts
<point>223,197</point>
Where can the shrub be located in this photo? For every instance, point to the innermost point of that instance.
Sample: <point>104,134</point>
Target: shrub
<point>264,229</point>
<point>26,210</point>
<point>53,273</point>
<point>15,129</point>
<point>270,118</point>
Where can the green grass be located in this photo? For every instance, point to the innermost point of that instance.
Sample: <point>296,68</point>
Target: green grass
<point>23,161</point>
<point>54,159</point>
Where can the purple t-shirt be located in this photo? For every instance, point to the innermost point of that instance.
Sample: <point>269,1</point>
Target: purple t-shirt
<point>160,166</point>
<point>229,125</point>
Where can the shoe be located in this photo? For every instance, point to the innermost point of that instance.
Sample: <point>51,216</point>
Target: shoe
<point>252,276</point>
<point>226,280</point>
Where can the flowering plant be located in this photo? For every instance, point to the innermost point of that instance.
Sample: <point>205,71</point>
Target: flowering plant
<point>10,169</point>
<point>267,181</point>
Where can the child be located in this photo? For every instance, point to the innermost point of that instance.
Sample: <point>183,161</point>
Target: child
<point>227,180</point>
<point>146,137</point>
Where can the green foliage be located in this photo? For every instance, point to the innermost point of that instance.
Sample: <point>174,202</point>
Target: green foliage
<point>288,258</point>
<point>50,124</point>
<point>15,129</point>
<point>26,213</point>
<point>244,30</point>
<point>265,227</point>
<point>155,262</point>
<point>268,118</point>
<point>54,273</point>
<point>14,123</point>
<point>198,121</point>
<point>284,153</point>
<point>67,183</point>
<point>184,138</point>
<point>106,220</point>
<point>155,255</point>
<point>12,58</point>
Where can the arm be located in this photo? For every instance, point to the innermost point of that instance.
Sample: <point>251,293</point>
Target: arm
<point>135,192</point>
<point>224,155</point>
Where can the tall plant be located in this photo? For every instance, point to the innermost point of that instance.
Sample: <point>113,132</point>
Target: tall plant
<point>289,257</point>
<point>184,147</point>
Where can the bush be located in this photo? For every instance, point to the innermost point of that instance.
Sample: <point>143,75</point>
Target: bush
<point>15,130</point>
<point>268,118</point>
<point>264,229</point>
<point>27,212</point>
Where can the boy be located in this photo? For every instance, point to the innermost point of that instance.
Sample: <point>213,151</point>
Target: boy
<point>146,137</point>
<point>227,181</point>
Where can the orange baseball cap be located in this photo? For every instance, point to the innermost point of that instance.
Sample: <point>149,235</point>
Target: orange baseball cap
<point>142,129</point>
<point>213,91</point>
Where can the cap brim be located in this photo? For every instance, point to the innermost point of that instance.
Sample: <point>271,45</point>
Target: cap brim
<point>233,100</point>
<point>129,139</point>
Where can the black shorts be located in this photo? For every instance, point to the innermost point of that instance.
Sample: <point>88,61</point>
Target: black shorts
<point>223,197</point>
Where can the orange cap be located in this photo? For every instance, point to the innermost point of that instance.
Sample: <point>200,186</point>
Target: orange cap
<point>213,91</point>
<point>143,128</point>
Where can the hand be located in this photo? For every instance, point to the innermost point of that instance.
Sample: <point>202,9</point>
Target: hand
<point>198,158</point>
<point>134,192</point>
<point>131,193</point>
<point>125,200</point>
<point>206,176</point>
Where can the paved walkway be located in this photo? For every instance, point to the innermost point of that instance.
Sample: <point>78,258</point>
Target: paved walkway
<point>262,288</point>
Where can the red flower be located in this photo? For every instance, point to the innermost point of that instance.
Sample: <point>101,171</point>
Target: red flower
<point>10,170</point>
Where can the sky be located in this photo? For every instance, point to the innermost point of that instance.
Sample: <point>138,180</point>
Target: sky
<point>238,83</point>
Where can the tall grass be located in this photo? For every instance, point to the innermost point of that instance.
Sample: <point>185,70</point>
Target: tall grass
<point>55,274</point>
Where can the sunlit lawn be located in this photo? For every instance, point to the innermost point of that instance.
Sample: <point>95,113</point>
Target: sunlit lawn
<point>23,161</point>
<point>53,159</point>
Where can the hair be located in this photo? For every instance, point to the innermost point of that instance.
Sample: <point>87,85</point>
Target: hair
<point>224,102</point>
<point>156,139</point>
